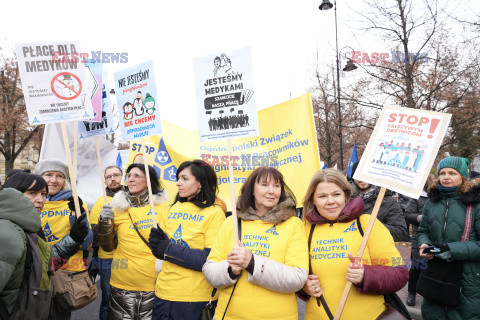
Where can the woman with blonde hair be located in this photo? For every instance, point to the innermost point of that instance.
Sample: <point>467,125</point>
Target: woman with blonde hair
<point>333,224</point>
<point>449,237</point>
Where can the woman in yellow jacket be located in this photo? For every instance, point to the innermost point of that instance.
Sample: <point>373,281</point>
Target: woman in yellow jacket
<point>187,231</point>
<point>60,225</point>
<point>125,230</point>
<point>273,252</point>
<point>333,219</point>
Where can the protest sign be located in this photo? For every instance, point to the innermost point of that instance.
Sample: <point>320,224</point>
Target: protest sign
<point>54,89</point>
<point>136,95</point>
<point>141,117</point>
<point>225,96</point>
<point>93,71</point>
<point>87,168</point>
<point>88,129</point>
<point>402,149</point>
<point>287,141</point>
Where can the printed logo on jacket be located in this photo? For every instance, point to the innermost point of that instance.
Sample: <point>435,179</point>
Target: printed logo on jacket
<point>259,244</point>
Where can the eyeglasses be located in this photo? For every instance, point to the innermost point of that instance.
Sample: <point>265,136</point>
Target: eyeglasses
<point>116,175</point>
<point>135,176</point>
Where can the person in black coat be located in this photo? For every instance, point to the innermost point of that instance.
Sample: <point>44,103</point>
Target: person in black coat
<point>413,216</point>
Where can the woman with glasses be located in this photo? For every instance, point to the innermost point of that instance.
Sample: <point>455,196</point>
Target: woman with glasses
<point>124,227</point>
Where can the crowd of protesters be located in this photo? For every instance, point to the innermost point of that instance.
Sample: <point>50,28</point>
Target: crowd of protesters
<point>187,265</point>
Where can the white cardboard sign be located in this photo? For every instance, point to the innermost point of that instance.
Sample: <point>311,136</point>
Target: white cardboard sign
<point>54,88</point>
<point>226,96</point>
<point>402,149</point>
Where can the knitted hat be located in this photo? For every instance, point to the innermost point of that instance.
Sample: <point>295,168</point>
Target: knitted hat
<point>457,163</point>
<point>148,98</point>
<point>51,165</point>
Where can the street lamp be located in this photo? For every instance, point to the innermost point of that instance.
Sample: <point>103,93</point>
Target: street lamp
<point>327,5</point>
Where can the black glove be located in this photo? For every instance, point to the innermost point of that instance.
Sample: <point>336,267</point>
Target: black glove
<point>71,205</point>
<point>158,242</point>
<point>442,246</point>
<point>79,229</point>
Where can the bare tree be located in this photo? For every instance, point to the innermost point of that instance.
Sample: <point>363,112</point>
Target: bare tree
<point>431,66</point>
<point>15,131</point>
<point>325,109</point>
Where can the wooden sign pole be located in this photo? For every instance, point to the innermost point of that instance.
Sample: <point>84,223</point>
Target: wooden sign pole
<point>363,245</point>
<point>149,185</point>
<point>71,169</point>
<point>232,192</point>
<point>100,169</point>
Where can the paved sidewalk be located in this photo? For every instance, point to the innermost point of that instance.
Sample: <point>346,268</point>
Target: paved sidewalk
<point>415,311</point>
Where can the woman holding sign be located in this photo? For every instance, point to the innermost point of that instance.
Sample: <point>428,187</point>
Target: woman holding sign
<point>124,227</point>
<point>449,234</point>
<point>187,231</point>
<point>258,277</point>
<point>334,225</point>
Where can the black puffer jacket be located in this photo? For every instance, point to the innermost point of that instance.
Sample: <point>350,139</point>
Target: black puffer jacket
<point>431,230</point>
<point>412,211</point>
<point>390,213</point>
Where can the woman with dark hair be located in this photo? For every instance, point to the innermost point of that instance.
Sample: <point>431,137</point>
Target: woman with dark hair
<point>35,188</point>
<point>124,227</point>
<point>273,252</point>
<point>187,231</point>
<point>450,229</point>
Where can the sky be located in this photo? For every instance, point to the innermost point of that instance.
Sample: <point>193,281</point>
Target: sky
<point>287,39</point>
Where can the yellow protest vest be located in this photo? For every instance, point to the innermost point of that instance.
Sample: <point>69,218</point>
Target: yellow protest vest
<point>56,225</point>
<point>285,243</point>
<point>194,227</point>
<point>133,265</point>
<point>329,250</point>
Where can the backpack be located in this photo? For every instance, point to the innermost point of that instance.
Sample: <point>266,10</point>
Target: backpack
<point>35,292</point>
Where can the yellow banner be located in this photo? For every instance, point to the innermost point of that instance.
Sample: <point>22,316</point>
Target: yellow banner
<point>287,141</point>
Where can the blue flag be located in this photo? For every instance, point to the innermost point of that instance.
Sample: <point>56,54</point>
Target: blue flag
<point>353,159</point>
<point>119,161</point>
<point>325,166</point>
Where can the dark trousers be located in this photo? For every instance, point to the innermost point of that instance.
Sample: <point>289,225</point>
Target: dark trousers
<point>174,310</point>
<point>414,272</point>
<point>105,271</point>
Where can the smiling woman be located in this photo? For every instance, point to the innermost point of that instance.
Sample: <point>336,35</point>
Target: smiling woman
<point>332,218</point>
<point>123,228</point>
<point>273,252</point>
<point>60,223</point>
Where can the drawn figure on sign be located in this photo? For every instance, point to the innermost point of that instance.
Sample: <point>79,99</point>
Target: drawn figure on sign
<point>149,104</point>
<point>128,111</point>
<point>377,158</point>
<point>71,87</point>
<point>138,104</point>
<point>223,66</point>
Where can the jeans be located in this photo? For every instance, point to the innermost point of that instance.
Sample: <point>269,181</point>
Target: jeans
<point>104,269</point>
